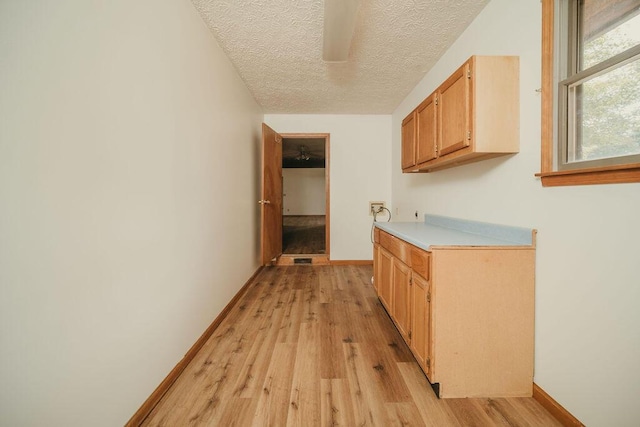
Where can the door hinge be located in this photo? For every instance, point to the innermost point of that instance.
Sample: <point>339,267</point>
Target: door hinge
<point>469,135</point>
<point>409,334</point>
<point>469,73</point>
<point>429,296</point>
<point>436,100</point>
<point>428,362</point>
<point>410,281</point>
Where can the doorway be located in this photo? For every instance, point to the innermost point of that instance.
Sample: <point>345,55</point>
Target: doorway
<point>305,209</point>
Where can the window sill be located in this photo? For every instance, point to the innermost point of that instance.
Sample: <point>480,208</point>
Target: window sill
<point>607,175</point>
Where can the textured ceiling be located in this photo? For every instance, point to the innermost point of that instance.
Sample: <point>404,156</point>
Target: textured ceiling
<point>276,46</point>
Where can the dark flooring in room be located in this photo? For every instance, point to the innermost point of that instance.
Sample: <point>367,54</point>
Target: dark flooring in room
<point>303,234</point>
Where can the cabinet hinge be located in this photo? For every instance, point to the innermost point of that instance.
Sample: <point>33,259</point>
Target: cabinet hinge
<point>436,100</point>
<point>409,334</point>
<point>469,135</point>
<point>469,73</point>
<point>429,296</point>
<point>428,362</point>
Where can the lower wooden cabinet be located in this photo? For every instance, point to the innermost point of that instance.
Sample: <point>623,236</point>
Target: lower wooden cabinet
<point>376,274</point>
<point>385,277</point>
<point>401,312</point>
<point>466,313</point>
<point>421,322</point>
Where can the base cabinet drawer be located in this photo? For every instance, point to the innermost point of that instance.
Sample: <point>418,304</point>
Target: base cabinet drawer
<point>398,248</point>
<point>420,262</point>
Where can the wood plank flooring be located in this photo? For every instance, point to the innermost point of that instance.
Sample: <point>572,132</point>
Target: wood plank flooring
<point>303,234</point>
<point>312,346</point>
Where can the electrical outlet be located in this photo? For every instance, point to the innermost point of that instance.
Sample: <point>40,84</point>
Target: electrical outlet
<point>375,207</point>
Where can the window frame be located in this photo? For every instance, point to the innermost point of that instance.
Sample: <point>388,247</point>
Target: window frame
<point>550,174</point>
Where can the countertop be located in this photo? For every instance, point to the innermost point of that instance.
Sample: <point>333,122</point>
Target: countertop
<point>439,230</point>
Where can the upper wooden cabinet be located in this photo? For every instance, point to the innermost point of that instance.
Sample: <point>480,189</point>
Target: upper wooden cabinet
<point>409,140</point>
<point>473,115</point>
<point>426,135</point>
<point>454,105</point>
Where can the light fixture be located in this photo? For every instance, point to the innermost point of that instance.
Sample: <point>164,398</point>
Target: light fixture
<point>339,24</point>
<point>303,154</point>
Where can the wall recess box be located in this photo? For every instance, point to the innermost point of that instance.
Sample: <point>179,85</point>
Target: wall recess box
<point>375,207</point>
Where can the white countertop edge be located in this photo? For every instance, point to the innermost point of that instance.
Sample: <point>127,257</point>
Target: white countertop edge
<point>517,235</point>
<point>446,231</point>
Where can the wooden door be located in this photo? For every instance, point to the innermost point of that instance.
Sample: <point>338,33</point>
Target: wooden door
<point>271,202</point>
<point>454,105</point>
<point>385,268</point>
<point>426,130</point>
<point>409,141</point>
<point>401,298</point>
<point>421,322</point>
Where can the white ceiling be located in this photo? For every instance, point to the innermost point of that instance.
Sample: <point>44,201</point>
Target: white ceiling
<point>276,46</point>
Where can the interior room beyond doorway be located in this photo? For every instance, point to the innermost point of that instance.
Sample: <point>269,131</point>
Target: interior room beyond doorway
<point>305,199</point>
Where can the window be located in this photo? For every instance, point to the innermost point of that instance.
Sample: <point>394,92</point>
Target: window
<point>591,86</point>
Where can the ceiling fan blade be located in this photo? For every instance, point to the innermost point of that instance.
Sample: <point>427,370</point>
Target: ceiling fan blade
<point>339,24</point>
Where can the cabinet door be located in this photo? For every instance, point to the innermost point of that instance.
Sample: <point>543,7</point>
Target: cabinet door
<point>385,273</point>
<point>426,130</point>
<point>409,140</point>
<point>421,322</point>
<point>454,106</point>
<point>376,267</point>
<point>401,298</point>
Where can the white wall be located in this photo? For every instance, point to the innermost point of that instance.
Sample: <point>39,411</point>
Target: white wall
<point>126,224</point>
<point>304,191</point>
<point>587,287</point>
<point>359,169</point>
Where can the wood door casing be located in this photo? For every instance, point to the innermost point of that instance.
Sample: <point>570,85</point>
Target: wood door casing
<point>271,203</point>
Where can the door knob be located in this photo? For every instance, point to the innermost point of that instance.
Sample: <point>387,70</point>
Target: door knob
<point>264,202</point>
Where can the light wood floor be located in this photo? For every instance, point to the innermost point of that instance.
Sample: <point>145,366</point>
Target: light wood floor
<point>303,234</point>
<point>312,346</point>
